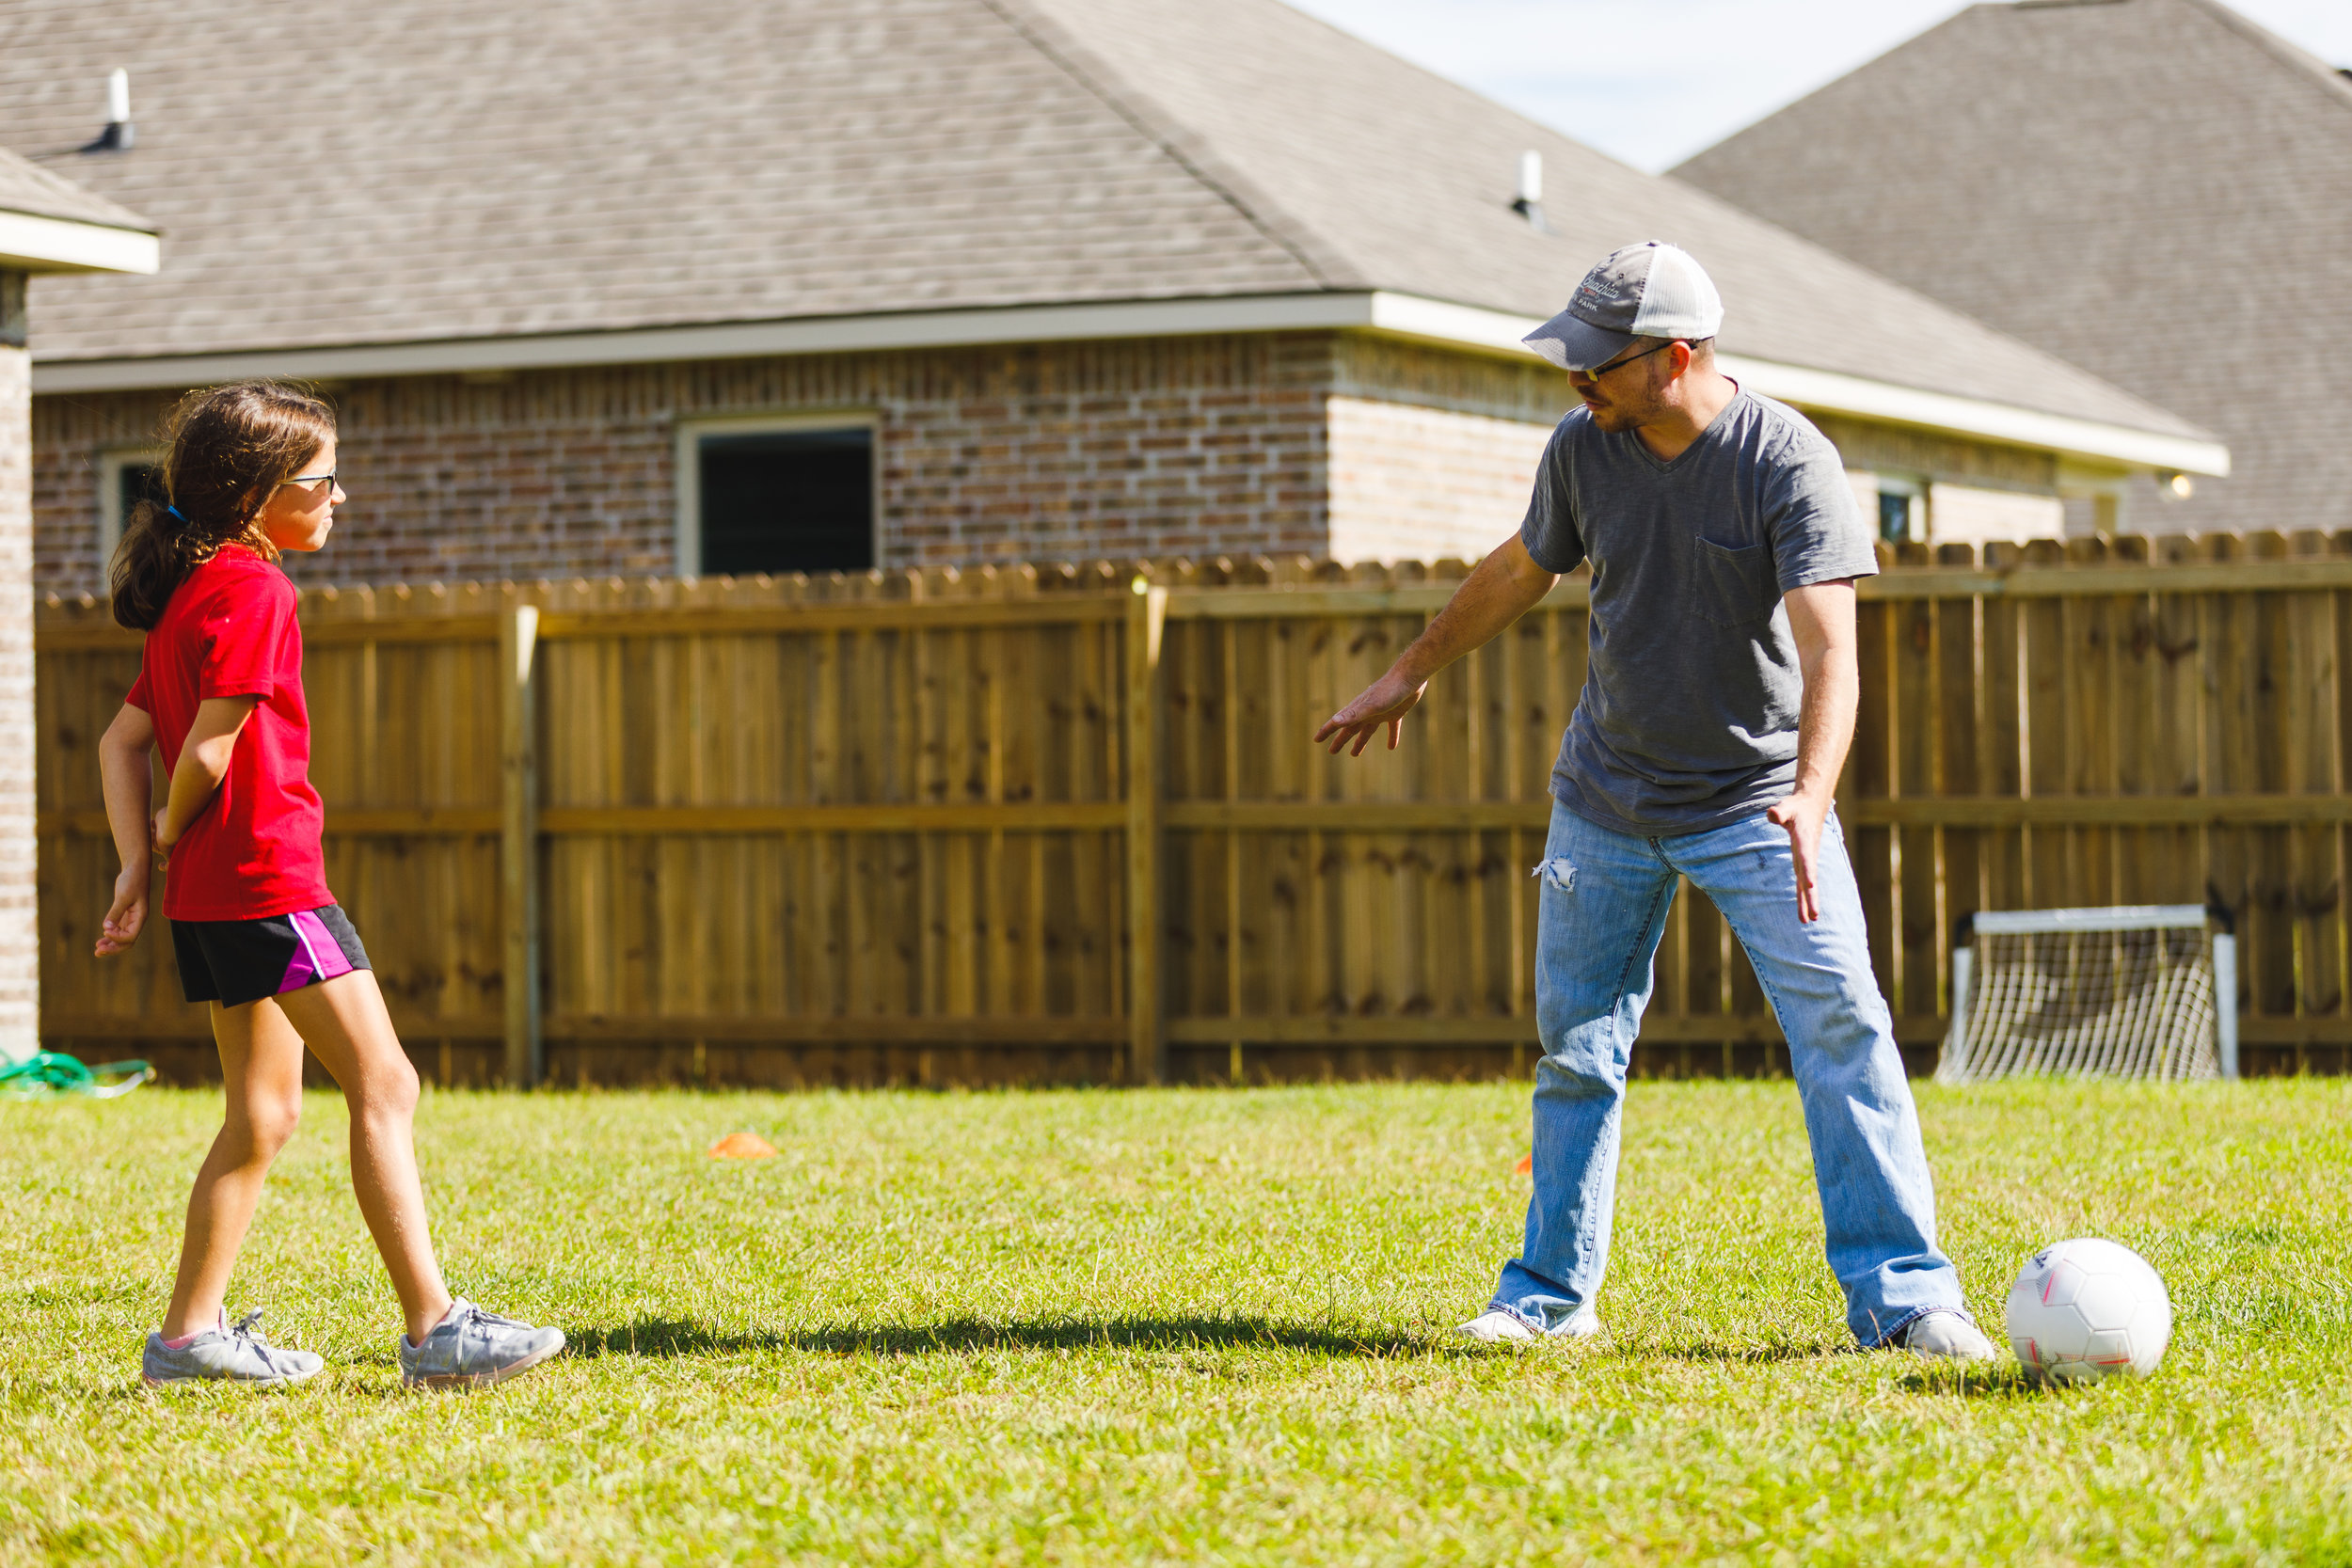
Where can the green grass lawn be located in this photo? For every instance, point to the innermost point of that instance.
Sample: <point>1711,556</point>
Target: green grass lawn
<point>1190,1326</point>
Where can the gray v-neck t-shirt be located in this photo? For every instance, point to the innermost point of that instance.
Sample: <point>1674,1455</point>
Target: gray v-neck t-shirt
<point>1688,720</point>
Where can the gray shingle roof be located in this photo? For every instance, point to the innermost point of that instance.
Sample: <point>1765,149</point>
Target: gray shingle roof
<point>2157,189</point>
<point>454,169</point>
<point>26,187</point>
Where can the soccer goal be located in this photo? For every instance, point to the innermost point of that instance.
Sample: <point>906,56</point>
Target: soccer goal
<point>2146,990</point>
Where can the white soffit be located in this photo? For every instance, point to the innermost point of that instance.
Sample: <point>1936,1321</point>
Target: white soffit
<point>31,243</point>
<point>1400,315</point>
<point>1832,392</point>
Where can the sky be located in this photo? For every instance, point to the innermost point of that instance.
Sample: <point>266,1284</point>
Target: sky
<point>1653,80</point>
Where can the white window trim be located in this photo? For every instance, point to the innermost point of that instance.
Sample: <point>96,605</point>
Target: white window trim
<point>110,518</point>
<point>688,466</point>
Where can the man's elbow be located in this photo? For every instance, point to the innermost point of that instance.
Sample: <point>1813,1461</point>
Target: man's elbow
<point>1531,580</point>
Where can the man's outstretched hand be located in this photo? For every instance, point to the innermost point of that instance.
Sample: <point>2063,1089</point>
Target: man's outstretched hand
<point>1387,701</point>
<point>1803,816</point>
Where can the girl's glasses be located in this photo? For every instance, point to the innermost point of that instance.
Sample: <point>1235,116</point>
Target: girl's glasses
<point>327,479</point>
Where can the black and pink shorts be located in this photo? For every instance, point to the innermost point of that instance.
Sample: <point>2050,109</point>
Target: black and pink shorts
<point>236,961</point>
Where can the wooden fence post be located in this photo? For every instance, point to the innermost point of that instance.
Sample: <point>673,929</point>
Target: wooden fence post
<point>1147,1033</point>
<point>518,857</point>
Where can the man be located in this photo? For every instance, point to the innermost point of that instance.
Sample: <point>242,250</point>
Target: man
<point>1724,544</point>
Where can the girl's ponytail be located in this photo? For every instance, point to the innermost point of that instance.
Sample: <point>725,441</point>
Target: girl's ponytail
<point>146,567</point>
<point>231,447</point>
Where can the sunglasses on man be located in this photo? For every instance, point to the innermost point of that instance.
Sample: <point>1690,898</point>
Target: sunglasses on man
<point>1620,364</point>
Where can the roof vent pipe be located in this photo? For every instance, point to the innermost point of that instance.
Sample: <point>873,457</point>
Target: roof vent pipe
<point>118,136</point>
<point>1528,203</point>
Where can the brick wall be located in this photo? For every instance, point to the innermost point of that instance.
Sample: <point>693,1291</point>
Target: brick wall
<point>1926,454</point>
<point>1969,514</point>
<point>1432,451</point>
<point>19,929</point>
<point>1327,444</point>
<point>1387,369</point>
<point>1177,446</point>
<point>1422,483</point>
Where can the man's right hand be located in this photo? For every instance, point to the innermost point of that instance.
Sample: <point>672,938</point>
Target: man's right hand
<point>1498,592</point>
<point>1387,701</point>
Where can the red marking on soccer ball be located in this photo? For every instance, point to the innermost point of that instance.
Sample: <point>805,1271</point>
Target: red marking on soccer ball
<point>2088,1308</point>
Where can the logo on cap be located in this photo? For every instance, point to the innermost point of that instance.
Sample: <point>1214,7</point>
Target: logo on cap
<point>1651,290</point>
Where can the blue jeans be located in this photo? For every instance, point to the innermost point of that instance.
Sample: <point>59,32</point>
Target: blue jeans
<point>1604,901</point>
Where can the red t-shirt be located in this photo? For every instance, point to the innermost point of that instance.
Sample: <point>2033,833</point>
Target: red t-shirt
<point>228,630</point>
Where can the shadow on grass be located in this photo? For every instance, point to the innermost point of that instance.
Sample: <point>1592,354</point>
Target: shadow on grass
<point>1978,1381</point>
<point>1810,1350</point>
<point>673,1337</point>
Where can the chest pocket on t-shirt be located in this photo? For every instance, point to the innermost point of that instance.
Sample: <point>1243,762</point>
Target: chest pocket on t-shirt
<point>1734,587</point>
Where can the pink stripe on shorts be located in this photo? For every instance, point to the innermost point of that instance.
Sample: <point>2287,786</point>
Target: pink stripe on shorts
<point>317,954</point>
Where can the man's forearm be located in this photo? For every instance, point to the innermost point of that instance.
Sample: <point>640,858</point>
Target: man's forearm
<point>1490,598</point>
<point>1833,691</point>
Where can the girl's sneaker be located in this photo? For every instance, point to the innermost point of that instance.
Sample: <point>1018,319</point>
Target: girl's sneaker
<point>470,1347</point>
<point>238,1354</point>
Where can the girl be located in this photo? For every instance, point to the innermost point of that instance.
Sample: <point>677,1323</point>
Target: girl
<point>256,932</point>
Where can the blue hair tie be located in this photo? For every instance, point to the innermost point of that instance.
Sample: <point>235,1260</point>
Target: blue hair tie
<point>176,513</point>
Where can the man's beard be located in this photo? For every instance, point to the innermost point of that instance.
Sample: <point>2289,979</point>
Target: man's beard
<point>1616,417</point>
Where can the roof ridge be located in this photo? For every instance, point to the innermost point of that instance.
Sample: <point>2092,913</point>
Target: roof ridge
<point>1190,151</point>
<point>1939,306</point>
<point>1844,76</point>
<point>2330,79</point>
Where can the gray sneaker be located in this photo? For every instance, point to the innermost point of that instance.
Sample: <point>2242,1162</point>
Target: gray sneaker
<point>1946,1337</point>
<point>238,1354</point>
<point>470,1347</point>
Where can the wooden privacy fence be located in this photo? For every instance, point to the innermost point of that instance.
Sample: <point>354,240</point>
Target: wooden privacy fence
<point>907,826</point>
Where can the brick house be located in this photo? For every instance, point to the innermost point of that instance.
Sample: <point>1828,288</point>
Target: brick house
<point>47,227</point>
<point>2157,190</point>
<point>813,284</point>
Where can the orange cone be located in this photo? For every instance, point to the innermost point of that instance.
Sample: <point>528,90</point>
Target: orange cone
<point>1526,1165</point>
<point>743,1145</point>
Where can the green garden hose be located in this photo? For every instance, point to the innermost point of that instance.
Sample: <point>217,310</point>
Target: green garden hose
<point>48,1073</point>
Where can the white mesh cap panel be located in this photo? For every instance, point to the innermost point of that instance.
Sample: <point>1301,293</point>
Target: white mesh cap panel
<point>1678,299</point>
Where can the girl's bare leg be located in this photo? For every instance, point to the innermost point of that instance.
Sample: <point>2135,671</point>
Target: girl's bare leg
<point>260,1060</point>
<point>345,1024</point>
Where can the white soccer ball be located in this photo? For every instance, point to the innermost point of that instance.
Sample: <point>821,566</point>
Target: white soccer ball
<point>2085,1309</point>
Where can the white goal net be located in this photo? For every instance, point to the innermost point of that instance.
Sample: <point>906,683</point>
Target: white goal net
<point>2144,991</point>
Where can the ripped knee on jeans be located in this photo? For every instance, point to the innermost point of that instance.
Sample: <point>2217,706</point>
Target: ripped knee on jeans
<point>1560,873</point>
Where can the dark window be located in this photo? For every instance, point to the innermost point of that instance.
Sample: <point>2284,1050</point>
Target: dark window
<point>135,482</point>
<point>788,500</point>
<point>1895,516</point>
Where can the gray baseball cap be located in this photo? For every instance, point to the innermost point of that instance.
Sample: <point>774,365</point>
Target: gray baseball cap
<point>1651,290</point>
